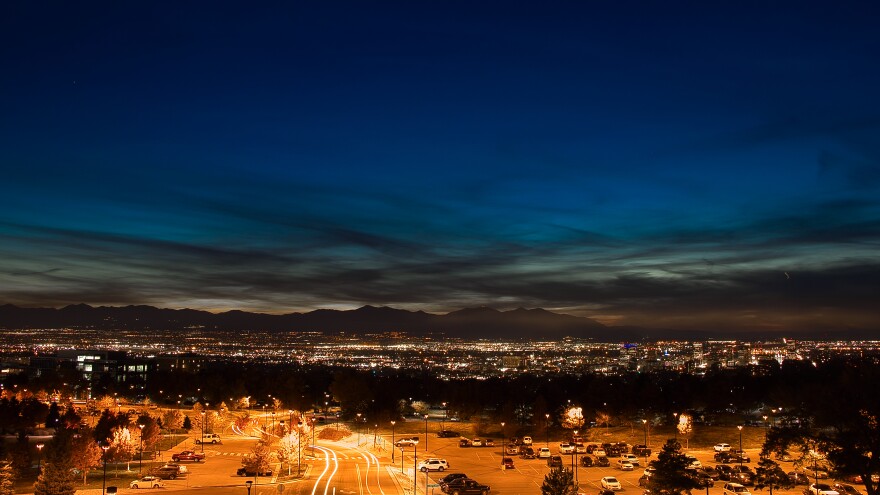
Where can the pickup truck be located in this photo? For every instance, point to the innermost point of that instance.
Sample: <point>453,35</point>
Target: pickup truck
<point>188,455</point>
<point>464,486</point>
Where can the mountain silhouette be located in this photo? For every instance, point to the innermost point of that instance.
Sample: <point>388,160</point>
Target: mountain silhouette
<point>474,323</point>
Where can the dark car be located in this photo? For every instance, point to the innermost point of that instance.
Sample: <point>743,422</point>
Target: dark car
<point>242,471</point>
<point>715,475</point>
<point>527,453</point>
<point>703,479</point>
<point>448,434</point>
<point>449,478</point>
<point>592,448</point>
<point>554,461</point>
<point>643,480</point>
<point>641,450</point>
<point>165,472</point>
<point>586,461</point>
<point>507,463</point>
<point>798,478</point>
<point>844,489</point>
<point>489,443</point>
<point>602,461</point>
<point>725,472</point>
<point>606,492</point>
<point>464,442</point>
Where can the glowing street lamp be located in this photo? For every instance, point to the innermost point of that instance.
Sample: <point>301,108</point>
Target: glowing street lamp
<point>504,441</point>
<point>104,481</point>
<point>392,439</point>
<point>359,428</point>
<point>141,460</point>
<point>39,456</point>
<point>547,430</point>
<point>740,428</point>
<point>426,433</point>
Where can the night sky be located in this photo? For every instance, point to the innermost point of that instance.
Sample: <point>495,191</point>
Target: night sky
<point>665,164</point>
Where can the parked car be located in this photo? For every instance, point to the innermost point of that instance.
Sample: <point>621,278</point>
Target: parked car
<point>641,450</point>
<point>407,442</point>
<point>248,472</point>
<point>211,438</point>
<point>822,489</point>
<point>632,458</point>
<point>448,434</point>
<point>709,472</point>
<point>643,480</point>
<point>722,447</point>
<point>464,442</point>
<point>735,489</point>
<point>433,464</point>
<point>814,472</point>
<point>610,483</point>
<point>449,478</point>
<point>580,448</point>
<point>566,448</point>
<point>526,440</point>
<point>703,479</point>
<point>693,462</point>
<point>844,489</point>
<point>507,463</point>
<point>489,443</point>
<point>602,461</point>
<point>554,461</point>
<point>476,442</point>
<point>624,465</point>
<point>725,472</point>
<point>527,453</point>
<point>166,473</point>
<point>798,478</point>
<point>544,453</point>
<point>147,482</point>
<point>586,461</point>
<point>467,487</point>
<point>188,455</point>
<point>511,450</point>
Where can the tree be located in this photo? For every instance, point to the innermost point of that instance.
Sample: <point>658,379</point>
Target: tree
<point>769,474</point>
<point>572,418</point>
<point>85,454</point>
<point>671,476</point>
<point>287,449</point>
<point>7,479</point>
<point>559,481</point>
<point>122,446</point>
<point>258,460</point>
<point>685,426</point>
<point>187,423</point>
<point>172,419</point>
<point>56,477</point>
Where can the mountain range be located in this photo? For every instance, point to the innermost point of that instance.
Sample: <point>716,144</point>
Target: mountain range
<point>480,322</point>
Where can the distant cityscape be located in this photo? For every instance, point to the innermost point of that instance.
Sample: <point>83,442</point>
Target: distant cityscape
<point>121,352</point>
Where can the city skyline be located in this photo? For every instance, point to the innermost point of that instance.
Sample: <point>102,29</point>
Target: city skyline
<point>680,166</point>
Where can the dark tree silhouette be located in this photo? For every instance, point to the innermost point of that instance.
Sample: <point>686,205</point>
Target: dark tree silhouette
<point>559,481</point>
<point>671,476</point>
<point>770,475</point>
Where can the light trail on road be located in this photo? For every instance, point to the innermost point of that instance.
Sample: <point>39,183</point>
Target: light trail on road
<point>328,455</point>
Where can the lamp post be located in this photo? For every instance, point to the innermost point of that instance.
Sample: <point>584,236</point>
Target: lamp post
<point>203,431</point>
<point>740,428</point>
<point>141,460</point>
<point>273,423</point>
<point>574,458</point>
<point>426,433</point>
<point>39,456</point>
<point>359,429</point>
<point>547,430</point>
<point>392,439</point>
<point>104,480</point>
<point>444,416</point>
<point>675,425</point>
<point>248,484</point>
<point>645,450</point>
<point>766,425</point>
<point>503,442</point>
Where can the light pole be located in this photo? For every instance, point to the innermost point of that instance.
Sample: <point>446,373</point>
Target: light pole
<point>392,439</point>
<point>273,423</point>
<point>359,429</point>
<point>675,425</point>
<point>444,416</point>
<point>299,448</point>
<point>645,450</point>
<point>248,484</point>
<point>426,433</point>
<point>740,428</point>
<point>104,480</point>
<point>39,456</point>
<point>203,431</point>
<point>503,442</point>
<point>766,425</point>
<point>574,464</point>
<point>547,430</point>
<point>141,460</point>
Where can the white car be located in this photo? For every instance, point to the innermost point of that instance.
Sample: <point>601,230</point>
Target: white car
<point>600,453</point>
<point>624,465</point>
<point>822,489</point>
<point>433,464</point>
<point>527,440</point>
<point>632,458</point>
<point>476,442</point>
<point>544,453</point>
<point>211,438</point>
<point>580,448</point>
<point>147,482</point>
<point>407,442</point>
<point>694,462</point>
<point>722,447</point>
<point>611,483</point>
<point>735,489</point>
<point>566,448</point>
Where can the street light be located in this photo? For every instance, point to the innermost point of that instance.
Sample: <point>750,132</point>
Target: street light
<point>444,416</point>
<point>141,460</point>
<point>547,430</point>
<point>503,442</point>
<point>574,458</point>
<point>104,481</point>
<point>203,431</point>
<point>740,428</point>
<point>675,425</point>
<point>359,428</point>
<point>392,439</point>
<point>39,456</point>
<point>645,450</point>
<point>248,484</point>
<point>426,432</point>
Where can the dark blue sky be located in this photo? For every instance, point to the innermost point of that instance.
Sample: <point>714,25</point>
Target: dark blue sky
<point>670,164</point>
